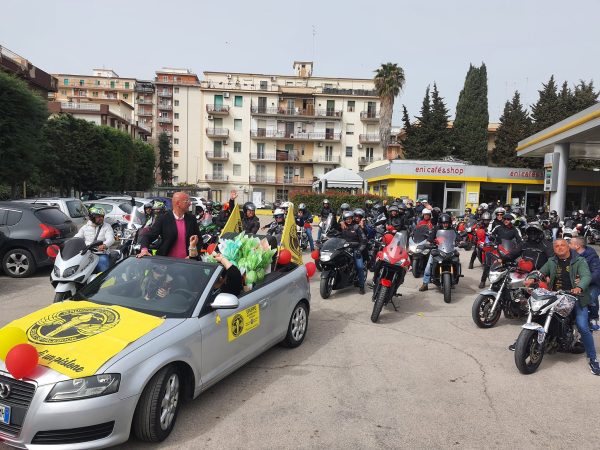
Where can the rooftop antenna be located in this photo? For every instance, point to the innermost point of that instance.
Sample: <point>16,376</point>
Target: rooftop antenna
<point>314,34</point>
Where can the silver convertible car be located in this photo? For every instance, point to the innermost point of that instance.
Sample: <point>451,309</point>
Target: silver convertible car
<point>189,336</point>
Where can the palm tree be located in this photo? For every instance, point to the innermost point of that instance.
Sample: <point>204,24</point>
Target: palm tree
<point>389,81</point>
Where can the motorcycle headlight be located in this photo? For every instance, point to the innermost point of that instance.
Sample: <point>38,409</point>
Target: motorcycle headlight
<point>325,257</point>
<point>70,271</point>
<point>414,249</point>
<point>56,271</point>
<point>536,304</point>
<point>80,388</point>
<point>495,276</point>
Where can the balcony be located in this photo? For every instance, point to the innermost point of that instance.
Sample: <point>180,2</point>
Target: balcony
<point>327,159</point>
<point>165,120</point>
<point>264,179</point>
<point>262,133</point>
<point>217,156</point>
<point>294,181</point>
<point>217,110</point>
<point>167,132</point>
<point>166,94</point>
<point>370,138</point>
<point>340,91</point>
<point>231,85</point>
<point>369,116</point>
<point>217,132</point>
<point>262,157</point>
<point>145,112</point>
<point>296,112</point>
<point>144,88</point>
<point>143,101</point>
<point>165,107</point>
<point>364,160</point>
<point>80,94</point>
<point>216,177</point>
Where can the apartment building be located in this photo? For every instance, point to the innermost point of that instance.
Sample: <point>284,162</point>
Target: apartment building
<point>41,82</point>
<point>178,114</point>
<point>268,135</point>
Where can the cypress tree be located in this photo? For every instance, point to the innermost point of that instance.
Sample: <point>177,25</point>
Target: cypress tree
<point>165,162</point>
<point>547,110</point>
<point>472,117</point>
<point>440,133</point>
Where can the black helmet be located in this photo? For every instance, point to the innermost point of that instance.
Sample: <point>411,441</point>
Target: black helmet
<point>217,206</point>
<point>553,213</point>
<point>436,210</point>
<point>445,218</point>
<point>368,203</point>
<point>534,233</point>
<point>209,205</point>
<point>516,210</point>
<point>480,209</point>
<point>509,217</point>
<point>148,205</point>
<point>402,207</point>
<point>345,207</point>
<point>468,210</point>
<point>540,209</point>
<point>348,215</point>
<point>575,213</point>
<point>249,206</point>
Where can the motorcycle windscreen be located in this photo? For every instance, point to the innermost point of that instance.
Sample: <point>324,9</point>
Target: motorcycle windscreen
<point>506,246</point>
<point>470,222</point>
<point>446,240</point>
<point>333,244</point>
<point>72,247</point>
<point>421,233</point>
<point>327,224</point>
<point>398,244</point>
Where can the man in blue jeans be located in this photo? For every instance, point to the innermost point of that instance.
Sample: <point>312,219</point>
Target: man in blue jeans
<point>577,243</point>
<point>568,271</point>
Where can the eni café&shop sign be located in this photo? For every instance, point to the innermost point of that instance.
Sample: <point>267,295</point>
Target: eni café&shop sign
<point>440,170</point>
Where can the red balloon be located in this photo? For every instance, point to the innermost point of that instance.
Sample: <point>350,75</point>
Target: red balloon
<point>311,268</point>
<point>22,360</point>
<point>52,251</point>
<point>314,254</point>
<point>285,257</point>
<point>211,248</point>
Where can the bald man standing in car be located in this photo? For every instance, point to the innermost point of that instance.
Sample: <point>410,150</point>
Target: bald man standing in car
<point>177,228</point>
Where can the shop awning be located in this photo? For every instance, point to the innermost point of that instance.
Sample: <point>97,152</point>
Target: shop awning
<point>339,178</point>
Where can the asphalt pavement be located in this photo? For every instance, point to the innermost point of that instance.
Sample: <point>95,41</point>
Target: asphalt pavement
<point>422,377</point>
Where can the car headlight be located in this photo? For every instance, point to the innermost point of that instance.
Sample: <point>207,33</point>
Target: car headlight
<point>80,388</point>
<point>495,276</point>
<point>70,271</point>
<point>56,271</point>
<point>325,256</point>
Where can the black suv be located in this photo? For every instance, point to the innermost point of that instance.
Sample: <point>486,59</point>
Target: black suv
<point>26,230</point>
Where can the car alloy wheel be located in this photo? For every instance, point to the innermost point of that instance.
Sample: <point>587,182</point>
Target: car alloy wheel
<point>168,406</point>
<point>298,323</point>
<point>17,263</point>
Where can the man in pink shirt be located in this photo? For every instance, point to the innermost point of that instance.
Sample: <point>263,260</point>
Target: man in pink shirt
<point>177,228</point>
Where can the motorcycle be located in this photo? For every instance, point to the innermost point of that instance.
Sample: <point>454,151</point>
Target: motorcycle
<point>466,232</point>
<point>390,269</point>
<point>337,260</point>
<point>418,250</point>
<point>446,268</point>
<point>325,227</point>
<point>591,232</point>
<point>549,328</point>
<point>507,291</point>
<point>302,237</point>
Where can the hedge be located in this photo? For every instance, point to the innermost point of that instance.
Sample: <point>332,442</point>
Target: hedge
<point>314,201</point>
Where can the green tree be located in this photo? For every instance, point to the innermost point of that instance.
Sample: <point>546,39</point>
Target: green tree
<point>470,133</point>
<point>440,133</point>
<point>515,125</point>
<point>547,110</point>
<point>144,161</point>
<point>22,116</point>
<point>165,161</point>
<point>389,81</point>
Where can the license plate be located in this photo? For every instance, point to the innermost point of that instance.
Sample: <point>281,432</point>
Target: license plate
<point>5,414</point>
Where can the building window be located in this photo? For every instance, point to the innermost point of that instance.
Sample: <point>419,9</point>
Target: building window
<point>112,84</point>
<point>237,124</point>
<point>237,170</point>
<point>177,115</point>
<point>66,81</point>
<point>95,94</point>
<point>350,128</point>
<point>97,82</point>
<point>127,85</point>
<point>239,101</point>
<point>125,96</point>
<point>63,92</point>
<point>176,90</point>
<point>369,154</point>
<point>81,82</point>
<point>263,85</point>
<point>282,194</point>
<point>176,141</point>
<point>165,78</point>
<point>176,102</point>
<point>350,105</point>
<point>176,153</point>
<point>175,166</point>
<point>237,147</point>
<point>176,128</point>
<point>348,152</point>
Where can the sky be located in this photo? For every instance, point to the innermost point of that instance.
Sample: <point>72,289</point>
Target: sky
<point>522,42</point>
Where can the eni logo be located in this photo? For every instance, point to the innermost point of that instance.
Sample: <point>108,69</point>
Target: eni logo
<point>72,325</point>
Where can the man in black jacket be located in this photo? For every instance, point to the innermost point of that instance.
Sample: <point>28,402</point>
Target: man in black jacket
<point>506,231</point>
<point>177,228</point>
<point>353,233</point>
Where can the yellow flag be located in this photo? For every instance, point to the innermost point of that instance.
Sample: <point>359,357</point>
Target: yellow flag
<point>289,237</point>
<point>77,338</point>
<point>234,223</point>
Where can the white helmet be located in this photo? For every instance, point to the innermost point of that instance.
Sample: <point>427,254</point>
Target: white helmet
<point>285,205</point>
<point>425,211</point>
<point>484,206</point>
<point>499,210</point>
<point>278,212</point>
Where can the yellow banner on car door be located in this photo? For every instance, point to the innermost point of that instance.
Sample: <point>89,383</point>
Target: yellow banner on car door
<point>77,338</point>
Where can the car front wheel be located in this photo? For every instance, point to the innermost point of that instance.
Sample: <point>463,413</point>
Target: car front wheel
<point>158,406</point>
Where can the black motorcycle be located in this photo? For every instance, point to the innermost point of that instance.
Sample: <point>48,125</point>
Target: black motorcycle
<point>418,250</point>
<point>337,261</point>
<point>445,268</point>
<point>549,328</point>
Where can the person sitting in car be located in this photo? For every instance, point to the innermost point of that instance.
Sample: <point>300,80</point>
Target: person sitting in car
<point>231,281</point>
<point>157,284</point>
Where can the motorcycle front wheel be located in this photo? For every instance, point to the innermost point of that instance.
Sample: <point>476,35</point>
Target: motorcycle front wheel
<point>327,286</point>
<point>447,286</point>
<point>380,301</point>
<point>528,352</point>
<point>481,310</point>
<point>416,267</point>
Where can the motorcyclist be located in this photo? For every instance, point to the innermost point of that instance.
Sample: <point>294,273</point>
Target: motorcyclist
<point>368,208</point>
<point>97,230</point>
<point>396,218</point>
<point>410,211</point>
<point>498,218</point>
<point>554,223</point>
<point>275,228</point>
<point>344,207</point>
<point>250,223</point>
<point>504,231</point>
<point>419,207</point>
<point>520,220</point>
<point>541,213</point>
<point>285,206</point>
<point>445,223</point>
<point>533,248</point>
<point>304,220</point>
<point>469,213</point>
<point>148,218</point>
<point>353,233</point>
<point>480,230</point>
<point>478,213</point>
<point>425,219</point>
<point>222,214</point>
<point>435,214</point>
<point>208,207</point>
<point>158,209</point>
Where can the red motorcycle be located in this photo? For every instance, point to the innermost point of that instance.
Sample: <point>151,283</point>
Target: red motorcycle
<point>391,266</point>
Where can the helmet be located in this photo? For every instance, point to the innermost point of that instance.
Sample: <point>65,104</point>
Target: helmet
<point>445,218</point>
<point>226,206</point>
<point>516,210</point>
<point>425,211</point>
<point>437,210</point>
<point>509,217</point>
<point>301,207</point>
<point>285,206</point>
<point>249,206</point>
<point>277,203</point>
<point>159,205</point>
<point>96,211</point>
<point>402,207</point>
<point>410,203</point>
<point>348,215</point>
<point>534,233</point>
<point>393,208</point>
<point>480,210</point>
<point>468,210</point>
<point>326,202</point>
<point>486,216</point>
<point>499,210</point>
<point>345,207</point>
<point>541,209</point>
<point>217,206</point>
<point>553,213</point>
<point>147,205</point>
<point>484,206</point>
<point>575,213</point>
<point>359,212</point>
<point>278,214</point>
<point>209,205</point>
<point>368,203</point>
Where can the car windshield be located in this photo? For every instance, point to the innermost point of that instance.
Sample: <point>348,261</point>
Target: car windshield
<point>164,287</point>
<point>76,209</point>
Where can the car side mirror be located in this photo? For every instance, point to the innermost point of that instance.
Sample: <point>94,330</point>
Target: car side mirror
<point>225,301</point>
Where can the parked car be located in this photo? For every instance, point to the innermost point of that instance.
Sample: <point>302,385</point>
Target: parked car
<point>115,211</point>
<point>156,352</point>
<point>139,201</point>
<point>26,230</point>
<point>71,206</point>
